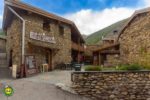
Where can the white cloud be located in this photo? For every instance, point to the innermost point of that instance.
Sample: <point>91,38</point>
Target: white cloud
<point>147,3</point>
<point>89,21</point>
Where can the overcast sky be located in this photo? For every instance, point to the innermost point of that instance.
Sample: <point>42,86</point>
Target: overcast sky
<point>88,15</point>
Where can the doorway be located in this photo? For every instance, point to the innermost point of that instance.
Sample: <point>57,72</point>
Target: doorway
<point>48,59</point>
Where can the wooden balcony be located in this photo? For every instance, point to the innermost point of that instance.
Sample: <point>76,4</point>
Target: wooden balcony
<point>77,47</point>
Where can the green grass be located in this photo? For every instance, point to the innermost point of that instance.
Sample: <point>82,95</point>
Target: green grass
<point>132,67</point>
<point>92,68</point>
<point>109,68</point>
<point>97,36</point>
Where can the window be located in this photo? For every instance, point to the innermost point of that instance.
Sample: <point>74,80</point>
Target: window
<point>61,30</point>
<point>46,26</point>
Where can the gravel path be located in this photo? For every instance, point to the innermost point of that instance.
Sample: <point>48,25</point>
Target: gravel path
<point>41,87</point>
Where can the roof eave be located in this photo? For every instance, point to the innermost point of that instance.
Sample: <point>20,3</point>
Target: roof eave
<point>137,12</point>
<point>27,7</point>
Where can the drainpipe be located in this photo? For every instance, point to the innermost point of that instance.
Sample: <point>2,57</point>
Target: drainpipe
<point>23,32</point>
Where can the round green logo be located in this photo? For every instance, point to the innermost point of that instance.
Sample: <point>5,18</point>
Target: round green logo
<point>8,91</point>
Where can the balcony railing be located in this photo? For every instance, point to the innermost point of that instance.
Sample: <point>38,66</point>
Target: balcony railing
<point>77,47</point>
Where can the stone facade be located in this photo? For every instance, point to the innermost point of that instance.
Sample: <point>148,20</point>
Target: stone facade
<point>107,56</point>
<point>13,44</point>
<point>60,51</point>
<point>89,53</point>
<point>113,85</point>
<point>112,60</point>
<point>135,41</point>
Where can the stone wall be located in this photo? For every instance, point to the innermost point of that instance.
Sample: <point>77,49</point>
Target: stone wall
<point>113,85</point>
<point>14,42</point>
<point>61,50</point>
<point>112,60</point>
<point>135,41</point>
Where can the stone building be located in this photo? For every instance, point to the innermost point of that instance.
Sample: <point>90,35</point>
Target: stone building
<point>134,39</point>
<point>88,54</point>
<point>107,54</point>
<point>132,44</point>
<point>36,37</point>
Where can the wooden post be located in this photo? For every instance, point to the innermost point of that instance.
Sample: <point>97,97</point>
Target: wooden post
<point>99,62</point>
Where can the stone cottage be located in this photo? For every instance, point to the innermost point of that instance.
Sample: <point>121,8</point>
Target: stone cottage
<point>107,54</point>
<point>134,39</point>
<point>88,54</point>
<point>36,37</point>
<point>132,45</point>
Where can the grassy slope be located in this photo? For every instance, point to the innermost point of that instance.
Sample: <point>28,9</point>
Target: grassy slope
<point>97,36</point>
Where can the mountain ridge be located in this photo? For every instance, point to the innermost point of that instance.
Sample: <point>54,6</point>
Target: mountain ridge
<point>96,37</point>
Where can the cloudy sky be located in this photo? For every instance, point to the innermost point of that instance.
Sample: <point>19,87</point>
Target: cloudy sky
<point>88,15</point>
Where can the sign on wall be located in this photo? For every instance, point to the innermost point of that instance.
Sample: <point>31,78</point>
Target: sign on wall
<point>30,65</point>
<point>30,62</point>
<point>41,37</point>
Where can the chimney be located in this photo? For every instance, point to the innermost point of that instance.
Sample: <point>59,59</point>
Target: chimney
<point>115,32</point>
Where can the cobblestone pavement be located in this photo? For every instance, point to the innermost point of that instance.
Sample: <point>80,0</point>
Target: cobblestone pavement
<point>41,87</point>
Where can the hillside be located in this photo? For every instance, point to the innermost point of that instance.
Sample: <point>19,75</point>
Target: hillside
<point>95,38</point>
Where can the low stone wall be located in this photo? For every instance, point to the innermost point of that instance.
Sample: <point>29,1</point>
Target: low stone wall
<point>113,85</point>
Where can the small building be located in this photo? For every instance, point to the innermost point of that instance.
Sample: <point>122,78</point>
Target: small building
<point>36,37</point>
<point>134,39</point>
<point>107,55</point>
<point>88,54</point>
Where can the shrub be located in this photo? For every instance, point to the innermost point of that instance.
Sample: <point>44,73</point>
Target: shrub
<point>147,67</point>
<point>93,68</point>
<point>131,67</point>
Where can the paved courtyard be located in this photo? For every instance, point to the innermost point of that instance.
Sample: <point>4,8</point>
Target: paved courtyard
<point>41,87</point>
<point>53,77</point>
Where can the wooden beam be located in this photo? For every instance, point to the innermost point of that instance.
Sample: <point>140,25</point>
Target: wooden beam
<point>110,52</point>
